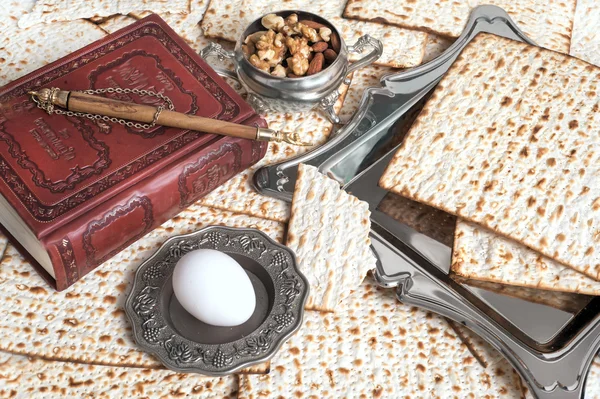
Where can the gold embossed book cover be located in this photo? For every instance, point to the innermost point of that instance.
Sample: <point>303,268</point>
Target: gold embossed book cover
<point>76,191</point>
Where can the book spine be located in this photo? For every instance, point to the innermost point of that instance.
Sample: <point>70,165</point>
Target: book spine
<point>86,242</point>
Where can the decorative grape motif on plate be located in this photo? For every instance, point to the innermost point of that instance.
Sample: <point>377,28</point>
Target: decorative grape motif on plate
<point>186,354</point>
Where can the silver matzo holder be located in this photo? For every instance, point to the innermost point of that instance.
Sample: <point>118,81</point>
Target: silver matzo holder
<point>553,357</point>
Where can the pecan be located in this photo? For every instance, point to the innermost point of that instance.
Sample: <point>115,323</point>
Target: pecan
<point>316,65</point>
<point>319,47</point>
<point>330,55</point>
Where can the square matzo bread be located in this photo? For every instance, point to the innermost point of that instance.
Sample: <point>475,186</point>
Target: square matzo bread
<point>547,22</point>
<point>329,233</point>
<point>482,255</point>
<point>29,378</point>
<point>87,322</point>
<point>375,347</point>
<point>509,140</point>
<point>403,48</point>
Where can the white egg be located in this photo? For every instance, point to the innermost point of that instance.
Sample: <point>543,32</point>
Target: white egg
<point>214,288</point>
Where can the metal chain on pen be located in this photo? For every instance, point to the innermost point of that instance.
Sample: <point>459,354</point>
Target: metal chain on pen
<point>49,107</point>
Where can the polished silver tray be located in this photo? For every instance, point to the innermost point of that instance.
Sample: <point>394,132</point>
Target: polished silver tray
<point>551,347</point>
<point>161,326</point>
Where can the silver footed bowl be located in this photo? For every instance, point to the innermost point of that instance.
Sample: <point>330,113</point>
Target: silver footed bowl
<point>281,94</point>
<point>185,344</point>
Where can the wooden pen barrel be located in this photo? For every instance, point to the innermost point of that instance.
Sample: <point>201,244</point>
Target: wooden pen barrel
<point>81,102</point>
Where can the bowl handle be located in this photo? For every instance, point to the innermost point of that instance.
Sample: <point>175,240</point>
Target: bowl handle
<point>365,41</point>
<point>216,50</point>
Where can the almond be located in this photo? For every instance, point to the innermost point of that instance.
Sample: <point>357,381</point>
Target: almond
<point>312,24</point>
<point>319,47</point>
<point>335,42</point>
<point>316,65</point>
<point>293,75</point>
<point>330,55</point>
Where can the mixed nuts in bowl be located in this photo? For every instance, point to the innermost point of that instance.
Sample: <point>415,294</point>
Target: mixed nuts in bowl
<point>283,63</point>
<point>291,47</point>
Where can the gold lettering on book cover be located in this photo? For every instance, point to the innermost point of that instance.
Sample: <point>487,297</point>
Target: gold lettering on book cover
<point>51,141</point>
<point>53,144</point>
<point>46,213</point>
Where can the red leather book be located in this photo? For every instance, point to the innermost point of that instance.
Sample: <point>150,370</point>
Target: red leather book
<point>76,191</point>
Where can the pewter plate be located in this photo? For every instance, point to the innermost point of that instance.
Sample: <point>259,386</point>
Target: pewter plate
<point>161,326</point>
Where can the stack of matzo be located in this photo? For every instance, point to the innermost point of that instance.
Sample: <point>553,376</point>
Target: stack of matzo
<point>509,141</point>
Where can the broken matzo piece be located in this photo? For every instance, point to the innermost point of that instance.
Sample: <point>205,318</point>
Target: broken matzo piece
<point>548,22</point>
<point>329,233</point>
<point>592,383</point>
<point>509,140</point>
<point>482,255</point>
